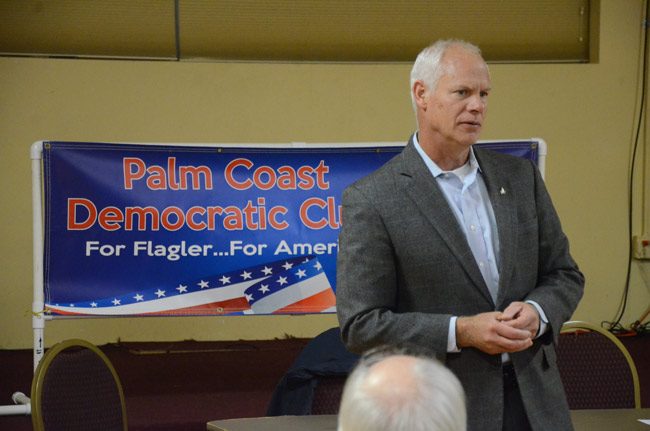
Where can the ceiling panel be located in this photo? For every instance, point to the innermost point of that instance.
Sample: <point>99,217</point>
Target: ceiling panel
<point>382,30</point>
<point>297,30</point>
<point>114,28</point>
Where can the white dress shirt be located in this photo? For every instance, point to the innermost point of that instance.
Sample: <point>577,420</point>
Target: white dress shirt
<point>468,198</point>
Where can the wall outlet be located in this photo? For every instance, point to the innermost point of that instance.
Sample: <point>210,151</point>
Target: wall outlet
<point>641,246</point>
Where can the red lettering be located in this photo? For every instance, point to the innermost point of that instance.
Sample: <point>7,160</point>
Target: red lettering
<point>212,213</point>
<point>233,220</point>
<point>161,177</point>
<point>73,204</point>
<point>189,216</point>
<point>110,218</point>
<point>261,210</point>
<point>128,163</point>
<point>229,174</point>
<point>249,212</point>
<point>157,179</point>
<point>304,213</point>
<point>304,174</point>
<point>131,213</point>
<point>321,170</point>
<point>171,169</point>
<point>273,217</point>
<point>287,178</point>
<point>259,182</point>
<point>83,214</point>
<point>331,211</point>
<point>195,174</point>
<point>168,214</point>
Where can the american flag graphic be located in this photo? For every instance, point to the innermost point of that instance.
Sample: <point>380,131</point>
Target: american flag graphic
<point>296,285</point>
<point>301,287</point>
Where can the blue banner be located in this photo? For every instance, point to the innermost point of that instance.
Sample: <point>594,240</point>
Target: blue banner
<point>195,230</point>
<point>152,229</point>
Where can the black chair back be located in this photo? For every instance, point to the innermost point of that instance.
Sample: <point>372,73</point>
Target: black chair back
<point>76,388</point>
<point>596,369</point>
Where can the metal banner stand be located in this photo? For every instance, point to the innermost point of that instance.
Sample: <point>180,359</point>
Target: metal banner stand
<point>22,403</point>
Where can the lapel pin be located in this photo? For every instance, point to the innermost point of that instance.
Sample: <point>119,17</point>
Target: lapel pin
<point>502,191</point>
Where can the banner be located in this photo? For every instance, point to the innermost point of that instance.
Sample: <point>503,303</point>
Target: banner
<point>136,230</point>
<point>179,230</point>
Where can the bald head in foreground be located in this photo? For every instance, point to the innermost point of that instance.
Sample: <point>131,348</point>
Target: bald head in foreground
<point>400,392</point>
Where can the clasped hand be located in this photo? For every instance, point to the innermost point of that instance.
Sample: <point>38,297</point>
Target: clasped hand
<point>496,332</point>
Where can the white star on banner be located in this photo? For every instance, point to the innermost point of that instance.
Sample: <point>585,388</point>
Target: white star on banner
<point>318,266</point>
<point>93,304</point>
<point>267,271</point>
<point>224,280</point>
<point>264,288</point>
<point>282,280</point>
<point>287,266</point>
<point>181,288</point>
<point>246,275</point>
<point>160,293</point>
<point>138,297</point>
<point>249,297</point>
<point>116,301</point>
<point>301,273</point>
<point>203,284</point>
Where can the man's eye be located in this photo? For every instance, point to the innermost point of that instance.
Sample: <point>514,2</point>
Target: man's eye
<point>484,94</point>
<point>461,92</point>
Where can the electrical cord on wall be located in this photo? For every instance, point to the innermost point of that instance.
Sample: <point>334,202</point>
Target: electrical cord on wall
<point>615,326</point>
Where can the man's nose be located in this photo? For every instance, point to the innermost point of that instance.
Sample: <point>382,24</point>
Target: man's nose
<point>476,104</point>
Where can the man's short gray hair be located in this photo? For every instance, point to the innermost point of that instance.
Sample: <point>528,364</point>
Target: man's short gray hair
<point>428,66</point>
<point>434,401</point>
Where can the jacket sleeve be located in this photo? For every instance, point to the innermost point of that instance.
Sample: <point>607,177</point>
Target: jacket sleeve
<point>560,283</point>
<point>368,279</point>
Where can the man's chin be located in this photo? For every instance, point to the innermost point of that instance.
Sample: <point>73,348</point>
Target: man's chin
<point>469,139</point>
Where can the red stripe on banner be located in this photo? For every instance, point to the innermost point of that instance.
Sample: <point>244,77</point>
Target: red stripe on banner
<point>58,312</point>
<point>214,309</point>
<point>319,302</point>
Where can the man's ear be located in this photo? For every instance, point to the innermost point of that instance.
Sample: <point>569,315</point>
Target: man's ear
<point>420,94</point>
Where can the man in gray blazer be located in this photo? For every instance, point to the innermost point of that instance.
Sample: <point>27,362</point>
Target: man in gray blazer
<point>460,250</point>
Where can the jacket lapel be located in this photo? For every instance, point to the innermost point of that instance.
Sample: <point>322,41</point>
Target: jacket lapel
<point>418,183</point>
<point>501,198</point>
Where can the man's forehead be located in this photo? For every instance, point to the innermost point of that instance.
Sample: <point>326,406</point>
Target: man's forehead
<point>460,57</point>
<point>460,68</point>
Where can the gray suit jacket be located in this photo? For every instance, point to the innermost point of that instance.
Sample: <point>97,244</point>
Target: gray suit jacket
<point>405,267</point>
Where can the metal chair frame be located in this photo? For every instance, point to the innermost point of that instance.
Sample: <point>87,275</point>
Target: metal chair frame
<point>577,325</point>
<point>42,370</point>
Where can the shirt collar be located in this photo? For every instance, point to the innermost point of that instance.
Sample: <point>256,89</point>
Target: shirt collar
<point>433,166</point>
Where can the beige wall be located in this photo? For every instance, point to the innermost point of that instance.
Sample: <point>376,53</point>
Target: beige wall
<point>585,112</point>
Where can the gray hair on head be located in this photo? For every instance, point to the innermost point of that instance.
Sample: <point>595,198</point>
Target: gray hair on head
<point>401,391</point>
<point>428,66</point>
